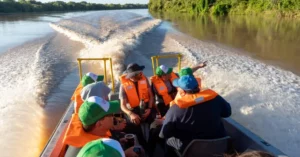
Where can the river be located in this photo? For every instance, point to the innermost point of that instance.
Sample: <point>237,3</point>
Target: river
<point>251,62</point>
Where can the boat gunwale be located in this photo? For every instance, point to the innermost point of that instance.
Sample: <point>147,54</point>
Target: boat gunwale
<point>56,134</point>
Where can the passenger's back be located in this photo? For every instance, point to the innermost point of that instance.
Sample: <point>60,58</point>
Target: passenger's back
<point>201,121</point>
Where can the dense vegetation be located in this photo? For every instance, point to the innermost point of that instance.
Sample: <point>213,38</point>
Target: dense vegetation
<point>10,6</point>
<point>223,7</point>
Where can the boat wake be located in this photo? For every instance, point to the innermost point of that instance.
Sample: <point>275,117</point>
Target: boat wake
<point>110,34</point>
<point>29,74</point>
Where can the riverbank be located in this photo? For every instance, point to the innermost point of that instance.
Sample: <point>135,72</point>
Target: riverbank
<point>271,40</point>
<point>277,8</point>
<point>11,6</point>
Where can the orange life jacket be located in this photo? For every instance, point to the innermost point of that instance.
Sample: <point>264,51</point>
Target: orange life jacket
<point>184,100</point>
<point>78,102</point>
<point>77,91</point>
<point>76,136</point>
<point>161,87</point>
<point>180,91</point>
<point>131,91</point>
<point>77,98</point>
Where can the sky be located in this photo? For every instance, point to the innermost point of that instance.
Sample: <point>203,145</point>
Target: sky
<point>104,1</point>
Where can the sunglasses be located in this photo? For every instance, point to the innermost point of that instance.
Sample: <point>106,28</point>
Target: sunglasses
<point>110,115</point>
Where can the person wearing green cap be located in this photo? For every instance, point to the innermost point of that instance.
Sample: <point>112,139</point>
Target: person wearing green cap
<point>90,77</point>
<point>165,92</point>
<point>95,89</point>
<point>162,86</point>
<point>93,121</point>
<point>106,147</point>
<point>87,79</point>
<point>100,89</point>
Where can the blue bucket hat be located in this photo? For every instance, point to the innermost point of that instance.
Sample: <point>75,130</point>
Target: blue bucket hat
<point>186,82</point>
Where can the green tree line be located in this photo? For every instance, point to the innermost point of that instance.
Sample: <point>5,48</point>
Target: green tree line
<point>224,7</point>
<point>12,6</point>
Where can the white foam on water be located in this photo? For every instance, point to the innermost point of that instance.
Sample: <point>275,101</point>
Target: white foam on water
<point>29,73</point>
<point>124,33</point>
<point>16,96</point>
<point>264,98</point>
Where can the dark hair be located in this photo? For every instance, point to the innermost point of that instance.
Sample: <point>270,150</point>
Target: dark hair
<point>88,128</point>
<point>193,91</point>
<point>256,154</point>
<point>252,154</point>
<point>133,67</point>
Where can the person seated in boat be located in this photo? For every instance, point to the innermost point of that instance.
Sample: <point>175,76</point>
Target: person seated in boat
<point>87,79</point>
<point>100,89</point>
<point>165,92</point>
<point>161,85</point>
<point>106,147</point>
<point>135,88</point>
<point>93,121</point>
<point>195,114</point>
<point>136,100</point>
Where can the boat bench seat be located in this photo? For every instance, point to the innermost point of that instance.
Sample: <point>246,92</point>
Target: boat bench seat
<point>207,148</point>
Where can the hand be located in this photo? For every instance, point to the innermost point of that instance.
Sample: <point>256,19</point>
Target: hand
<point>202,65</point>
<point>120,126</point>
<point>123,141</point>
<point>130,153</point>
<point>146,114</point>
<point>135,118</point>
<point>159,121</point>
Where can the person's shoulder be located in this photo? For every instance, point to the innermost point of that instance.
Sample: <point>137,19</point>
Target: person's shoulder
<point>87,87</point>
<point>122,93</point>
<point>175,109</point>
<point>148,80</point>
<point>219,98</point>
<point>218,101</point>
<point>174,113</point>
<point>100,84</point>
